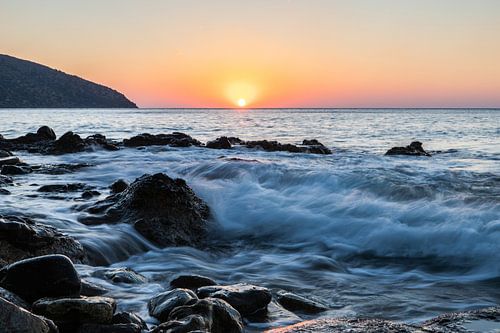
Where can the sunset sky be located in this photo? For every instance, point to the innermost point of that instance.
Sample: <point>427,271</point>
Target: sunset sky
<point>281,53</point>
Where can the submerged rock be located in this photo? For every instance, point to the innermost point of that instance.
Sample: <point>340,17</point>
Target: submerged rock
<point>176,139</point>
<point>245,298</point>
<point>162,304</point>
<point>124,275</point>
<point>22,238</point>
<point>216,315</point>
<point>45,276</point>
<point>219,143</point>
<point>192,281</point>
<point>63,188</point>
<point>293,302</point>
<point>164,210</point>
<point>414,149</point>
<point>14,319</point>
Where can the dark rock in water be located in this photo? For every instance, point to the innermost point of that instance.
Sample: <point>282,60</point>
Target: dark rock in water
<point>414,149</point>
<point>192,323</point>
<point>218,316</point>
<point>162,304</point>
<point>76,310</point>
<point>293,302</point>
<point>115,328</point>
<point>175,139</point>
<point>5,180</point>
<point>22,238</point>
<point>219,143</point>
<point>91,289</point>
<point>45,276</point>
<point>90,194</point>
<point>129,318</point>
<point>245,298</point>
<point>121,275</point>
<point>13,298</point>
<point>9,160</point>
<point>14,319</point>
<point>46,133</point>
<point>482,320</point>
<point>316,147</point>
<point>13,170</point>
<point>100,140</point>
<point>276,146</point>
<point>4,191</point>
<point>59,169</point>
<point>68,143</point>
<point>235,141</point>
<point>118,186</point>
<point>4,153</point>
<point>63,188</point>
<point>163,210</point>
<point>191,282</point>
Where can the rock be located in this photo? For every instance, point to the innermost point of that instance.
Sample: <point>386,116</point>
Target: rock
<point>175,139</point>
<point>192,323</point>
<point>59,169</point>
<point>218,316</point>
<point>91,289</point>
<point>192,281</point>
<point>100,140</point>
<point>63,188</point>
<point>482,320</point>
<point>13,170</point>
<point>22,238</point>
<point>293,302</point>
<point>118,186</point>
<point>68,143</point>
<point>116,328</point>
<point>77,310</point>
<point>46,133</point>
<point>5,153</point>
<point>13,298</point>
<point>162,304</point>
<point>9,160</point>
<point>316,147</point>
<point>219,143</point>
<point>4,191</point>
<point>5,180</point>
<point>14,319</point>
<point>90,194</point>
<point>129,318</point>
<point>414,149</point>
<point>351,325</point>
<point>235,141</point>
<point>276,146</point>
<point>245,298</point>
<point>122,275</point>
<point>45,276</point>
<point>164,210</point>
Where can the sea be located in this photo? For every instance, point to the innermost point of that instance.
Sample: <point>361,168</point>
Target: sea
<point>396,237</point>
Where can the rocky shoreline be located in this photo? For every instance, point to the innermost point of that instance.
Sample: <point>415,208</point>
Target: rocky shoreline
<point>41,290</point>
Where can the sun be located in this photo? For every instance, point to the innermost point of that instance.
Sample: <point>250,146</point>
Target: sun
<point>242,102</point>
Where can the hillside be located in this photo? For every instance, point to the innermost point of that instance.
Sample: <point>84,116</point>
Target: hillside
<point>25,84</point>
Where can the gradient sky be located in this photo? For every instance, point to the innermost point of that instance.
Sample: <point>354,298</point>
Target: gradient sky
<point>281,53</point>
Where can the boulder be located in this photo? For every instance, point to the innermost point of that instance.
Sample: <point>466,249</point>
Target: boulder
<point>118,186</point>
<point>9,160</point>
<point>74,311</point>
<point>13,170</point>
<point>92,289</point>
<point>46,133</point>
<point>245,298</point>
<point>175,139</point>
<point>121,275</point>
<point>414,149</point>
<point>100,140</point>
<point>13,298</point>
<point>5,153</point>
<point>219,143</point>
<point>22,238</point>
<point>293,302</point>
<point>192,281</point>
<point>63,188</point>
<point>14,319</point>
<point>90,194</point>
<point>164,210</point>
<point>129,318</point>
<point>276,146</point>
<point>218,316</point>
<point>45,276</point>
<point>316,147</point>
<point>191,323</point>
<point>162,304</point>
<point>68,143</point>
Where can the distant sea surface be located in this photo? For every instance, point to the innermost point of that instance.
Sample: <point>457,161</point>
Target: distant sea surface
<point>403,238</point>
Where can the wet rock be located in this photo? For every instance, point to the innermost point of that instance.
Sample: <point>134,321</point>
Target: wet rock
<point>192,323</point>
<point>129,318</point>
<point>91,289</point>
<point>118,186</point>
<point>5,153</point>
<point>100,140</point>
<point>482,320</point>
<point>63,188</point>
<point>192,281</point>
<point>90,194</point>
<point>59,169</point>
<point>13,170</point>
<point>235,141</point>
<point>4,191</point>
<point>162,304</point>
<point>116,328</point>
<point>13,298</point>
<point>276,315</point>
<point>45,276</point>
<point>9,160</point>
<point>68,143</point>
<point>276,146</point>
<point>121,275</point>
<point>245,298</point>
<point>5,180</point>
<point>293,302</point>
<point>14,319</point>
<point>76,310</point>
<point>218,316</point>
<point>164,210</point>
<point>351,325</point>
<point>219,143</point>
<point>22,238</point>
<point>316,147</point>
<point>414,149</point>
<point>175,139</point>
<point>46,133</point>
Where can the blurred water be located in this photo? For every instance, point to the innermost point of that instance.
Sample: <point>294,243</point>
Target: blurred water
<point>395,237</point>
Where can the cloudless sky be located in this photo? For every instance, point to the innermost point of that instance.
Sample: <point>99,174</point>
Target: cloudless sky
<point>275,53</point>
